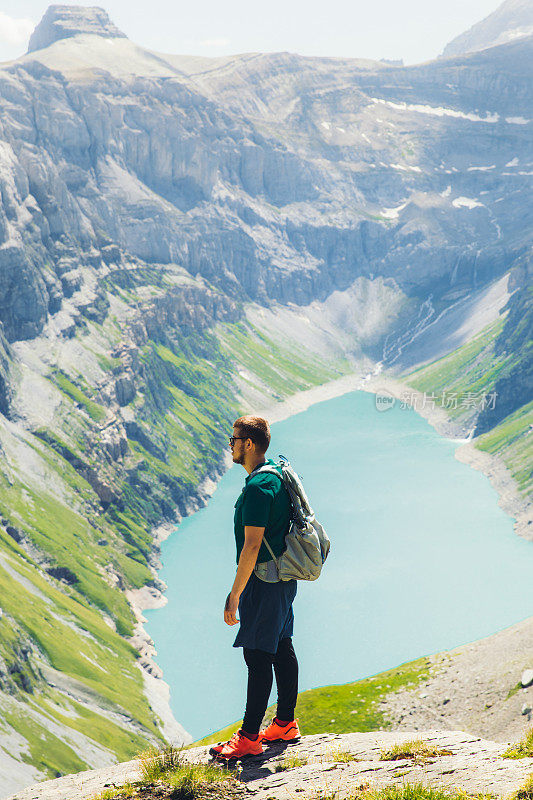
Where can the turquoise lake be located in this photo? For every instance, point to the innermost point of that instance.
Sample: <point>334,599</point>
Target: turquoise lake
<point>422,560</point>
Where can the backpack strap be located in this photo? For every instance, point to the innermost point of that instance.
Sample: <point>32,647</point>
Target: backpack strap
<point>269,548</point>
<point>269,469</point>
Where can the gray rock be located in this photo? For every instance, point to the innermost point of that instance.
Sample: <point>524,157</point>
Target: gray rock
<point>111,254</point>
<point>71,282</point>
<point>513,18</point>
<point>124,389</point>
<point>527,678</point>
<point>61,22</point>
<point>15,533</point>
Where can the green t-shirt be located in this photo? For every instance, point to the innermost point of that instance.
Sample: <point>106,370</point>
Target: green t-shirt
<point>263,502</point>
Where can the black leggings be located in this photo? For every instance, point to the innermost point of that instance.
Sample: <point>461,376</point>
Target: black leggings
<point>259,664</point>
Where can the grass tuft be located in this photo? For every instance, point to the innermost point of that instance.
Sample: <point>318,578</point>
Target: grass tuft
<point>291,762</point>
<point>523,749</point>
<point>416,749</point>
<point>120,793</point>
<point>417,791</point>
<point>191,780</point>
<point>514,690</point>
<point>187,781</point>
<point>526,791</point>
<point>155,764</point>
<point>342,756</point>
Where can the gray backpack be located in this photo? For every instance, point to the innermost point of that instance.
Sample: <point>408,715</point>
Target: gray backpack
<point>307,545</point>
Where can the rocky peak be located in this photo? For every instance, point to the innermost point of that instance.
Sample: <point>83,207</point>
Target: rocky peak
<point>512,19</point>
<point>62,22</point>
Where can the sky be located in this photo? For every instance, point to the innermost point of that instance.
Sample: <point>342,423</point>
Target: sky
<point>412,30</point>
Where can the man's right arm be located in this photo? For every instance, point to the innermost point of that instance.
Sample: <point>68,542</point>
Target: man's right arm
<point>253,536</point>
<point>256,506</point>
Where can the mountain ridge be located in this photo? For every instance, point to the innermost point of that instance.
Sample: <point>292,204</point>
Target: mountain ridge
<point>512,19</point>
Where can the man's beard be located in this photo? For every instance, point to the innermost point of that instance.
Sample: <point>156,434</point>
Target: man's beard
<point>238,459</point>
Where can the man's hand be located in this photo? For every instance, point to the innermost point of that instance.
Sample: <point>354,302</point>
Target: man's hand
<point>230,609</point>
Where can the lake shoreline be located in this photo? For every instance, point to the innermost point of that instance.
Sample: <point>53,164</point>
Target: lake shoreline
<point>509,499</point>
<point>152,597</point>
<point>147,597</point>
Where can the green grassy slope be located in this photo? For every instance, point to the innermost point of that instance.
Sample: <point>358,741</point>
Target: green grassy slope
<point>78,502</point>
<point>511,441</point>
<point>476,382</point>
<point>344,708</point>
<point>460,379</point>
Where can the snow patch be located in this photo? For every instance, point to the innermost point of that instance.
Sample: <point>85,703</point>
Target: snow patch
<point>465,202</point>
<point>393,213</point>
<point>447,192</point>
<point>440,111</point>
<point>326,125</point>
<point>517,120</point>
<point>406,167</point>
<point>512,163</point>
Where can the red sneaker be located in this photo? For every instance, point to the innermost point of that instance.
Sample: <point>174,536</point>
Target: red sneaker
<point>215,750</point>
<point>240,746</point>
<point>281,733</point>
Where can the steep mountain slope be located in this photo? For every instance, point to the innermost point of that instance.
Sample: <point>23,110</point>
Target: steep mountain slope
<point>169,228</point>
<point>486,385</point>
<point>511,20</point>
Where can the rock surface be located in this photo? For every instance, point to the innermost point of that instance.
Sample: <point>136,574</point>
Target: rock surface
<point>476,687</point>
<point>473,764</point>
<point>336,169</point>
<point>527,678</point>
<point>512,19</point>
<point>62,22</point>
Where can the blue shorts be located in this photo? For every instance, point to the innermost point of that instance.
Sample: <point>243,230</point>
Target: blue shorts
<point>265,614</point>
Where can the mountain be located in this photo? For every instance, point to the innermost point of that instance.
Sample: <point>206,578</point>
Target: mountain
<point>513,19</point>
<point>62,22</point>
<point>181,239</point>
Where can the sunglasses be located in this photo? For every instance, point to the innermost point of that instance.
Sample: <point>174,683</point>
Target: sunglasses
<point>233,439</point>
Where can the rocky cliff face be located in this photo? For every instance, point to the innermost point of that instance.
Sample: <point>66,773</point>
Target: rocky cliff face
<point>511,20</point>
<point>514,388</point>
<point>275,177</point>
<point>61,22</point>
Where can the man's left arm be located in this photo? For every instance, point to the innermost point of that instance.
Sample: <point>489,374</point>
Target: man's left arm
<point>253,536</point>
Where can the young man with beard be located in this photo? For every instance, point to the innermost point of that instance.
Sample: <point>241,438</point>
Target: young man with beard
<point>262,511</point>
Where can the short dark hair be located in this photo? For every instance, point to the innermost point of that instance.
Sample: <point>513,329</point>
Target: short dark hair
<point>255,428</point>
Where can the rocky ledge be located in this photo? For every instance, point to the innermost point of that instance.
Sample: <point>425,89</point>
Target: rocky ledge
<point>335,764</point>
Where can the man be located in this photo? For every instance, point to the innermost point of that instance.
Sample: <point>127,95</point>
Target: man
<point>262,511</point>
